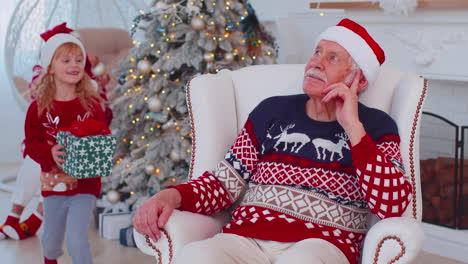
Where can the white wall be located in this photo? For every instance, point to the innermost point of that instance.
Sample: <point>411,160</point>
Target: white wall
<point>11,115</point>
<point>272,9</point>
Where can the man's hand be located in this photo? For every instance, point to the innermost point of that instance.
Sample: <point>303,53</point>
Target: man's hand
<point>57,155</point>
<point>153,214</point>
<point>346,101</point>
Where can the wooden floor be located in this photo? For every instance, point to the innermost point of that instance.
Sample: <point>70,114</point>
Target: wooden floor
<point>29,251</point>
<point>104,251</point>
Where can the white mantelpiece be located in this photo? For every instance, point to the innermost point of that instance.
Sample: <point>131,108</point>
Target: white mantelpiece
<point>446,242</point>
<point>432,43</point>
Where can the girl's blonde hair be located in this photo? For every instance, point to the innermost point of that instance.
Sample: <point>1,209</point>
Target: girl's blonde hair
<point>45,90</point>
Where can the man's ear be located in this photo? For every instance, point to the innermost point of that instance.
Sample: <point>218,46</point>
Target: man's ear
<point>363,83</point>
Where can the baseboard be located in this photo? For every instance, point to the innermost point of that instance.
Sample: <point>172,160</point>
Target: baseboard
<point>447,242</point>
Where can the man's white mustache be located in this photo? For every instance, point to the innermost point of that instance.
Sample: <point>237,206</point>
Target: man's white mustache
<point>316,74</point>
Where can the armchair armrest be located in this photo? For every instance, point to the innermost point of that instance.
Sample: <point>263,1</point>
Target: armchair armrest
<point>181,229</point>
<point>393,240</point>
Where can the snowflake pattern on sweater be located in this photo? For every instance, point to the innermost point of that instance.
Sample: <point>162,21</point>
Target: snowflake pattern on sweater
<point>297,178</point>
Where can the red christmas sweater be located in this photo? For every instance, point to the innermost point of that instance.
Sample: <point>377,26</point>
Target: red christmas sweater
<point>41,132</point>
<point>302,179</point>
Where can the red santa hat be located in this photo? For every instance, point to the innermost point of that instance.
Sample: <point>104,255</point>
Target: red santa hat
<point>365,51</point>
<point>54,38</point>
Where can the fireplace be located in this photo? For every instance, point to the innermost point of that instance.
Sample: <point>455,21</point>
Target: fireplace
<point>444,171</point>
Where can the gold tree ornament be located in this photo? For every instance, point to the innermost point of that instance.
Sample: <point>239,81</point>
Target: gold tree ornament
<point>228,57</point>
<point>208,56</point>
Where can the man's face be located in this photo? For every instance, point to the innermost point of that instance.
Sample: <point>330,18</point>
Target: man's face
<point>329,64</point>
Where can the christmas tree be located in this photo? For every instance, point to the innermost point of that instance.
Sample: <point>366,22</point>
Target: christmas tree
<point>180,40</point>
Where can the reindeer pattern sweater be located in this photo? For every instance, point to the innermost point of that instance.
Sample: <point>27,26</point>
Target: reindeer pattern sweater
<point>298,178</point>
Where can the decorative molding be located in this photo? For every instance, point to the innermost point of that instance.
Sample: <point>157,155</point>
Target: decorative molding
<point>414,129</point>
<point>428,45</point>
<point>192,126</point>
<point>431,43</point>
<point>345,5</point>
<point>426,4</point>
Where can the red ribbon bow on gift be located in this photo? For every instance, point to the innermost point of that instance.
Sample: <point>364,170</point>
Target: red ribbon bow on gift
<point>89,127</point>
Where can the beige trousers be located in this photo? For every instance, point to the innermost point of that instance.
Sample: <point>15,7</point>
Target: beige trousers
<point>234,249</point>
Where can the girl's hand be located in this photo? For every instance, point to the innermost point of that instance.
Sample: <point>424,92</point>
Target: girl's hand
<point>57,155</point>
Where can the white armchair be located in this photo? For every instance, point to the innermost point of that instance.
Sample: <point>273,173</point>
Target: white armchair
<point>219,105</point>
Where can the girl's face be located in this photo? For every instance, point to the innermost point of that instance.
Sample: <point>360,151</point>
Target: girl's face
<point>68,65</point>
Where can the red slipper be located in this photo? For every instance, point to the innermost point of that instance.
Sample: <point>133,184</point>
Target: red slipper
<point>49,261</point>
<point>2,235</point>
<point>10,220</point>
<point>24,230</point>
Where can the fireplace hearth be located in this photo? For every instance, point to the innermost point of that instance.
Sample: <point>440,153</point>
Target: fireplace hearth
<point>444,172</point>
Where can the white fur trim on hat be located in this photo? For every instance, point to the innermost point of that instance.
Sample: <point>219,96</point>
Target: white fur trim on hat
<point>357,47</point>
<point>48,50</point>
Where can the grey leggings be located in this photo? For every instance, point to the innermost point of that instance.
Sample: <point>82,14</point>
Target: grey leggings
<point>68,215</point>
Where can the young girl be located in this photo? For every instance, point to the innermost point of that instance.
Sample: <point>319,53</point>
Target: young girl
<point>64,95</point>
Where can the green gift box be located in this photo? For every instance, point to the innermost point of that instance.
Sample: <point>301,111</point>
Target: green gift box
<point>89,156</point>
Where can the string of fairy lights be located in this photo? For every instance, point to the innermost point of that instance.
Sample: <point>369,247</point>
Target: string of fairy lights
<point>145,69</point>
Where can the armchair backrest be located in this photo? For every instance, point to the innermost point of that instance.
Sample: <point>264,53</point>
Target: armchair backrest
<point>219,105</point>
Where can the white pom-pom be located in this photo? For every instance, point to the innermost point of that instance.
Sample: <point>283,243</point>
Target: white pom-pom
<point>99,69</point>
<point>75,34</point>
<point>95,85</point>
<point>398,7</point>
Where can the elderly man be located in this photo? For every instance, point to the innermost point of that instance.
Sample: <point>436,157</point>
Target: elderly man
<point>311,165</point>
